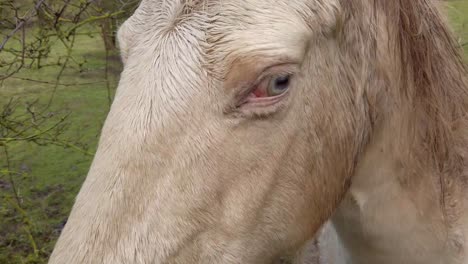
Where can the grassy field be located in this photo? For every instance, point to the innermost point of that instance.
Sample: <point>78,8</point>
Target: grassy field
<point>458,13</point>
<point>47,178</point>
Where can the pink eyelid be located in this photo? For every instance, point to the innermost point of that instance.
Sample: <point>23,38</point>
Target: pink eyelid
<point>252,100</point>
<point>264,101</point>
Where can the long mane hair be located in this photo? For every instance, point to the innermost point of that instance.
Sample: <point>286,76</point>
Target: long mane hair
<point>433,84</point>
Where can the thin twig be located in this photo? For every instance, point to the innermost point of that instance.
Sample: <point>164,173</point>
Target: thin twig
<point>92,19</point>
<point>34,136</point>
<point>21,24</point>
<point>62,69</point>
<point>54,83</point>
<point>106,76</point>
<point>10,175</point>
<point>27,227</point>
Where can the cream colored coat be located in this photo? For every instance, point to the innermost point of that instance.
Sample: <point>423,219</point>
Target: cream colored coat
<point>375,117</point>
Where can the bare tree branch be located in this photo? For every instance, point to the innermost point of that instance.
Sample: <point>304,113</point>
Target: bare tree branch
<point>21,24</point>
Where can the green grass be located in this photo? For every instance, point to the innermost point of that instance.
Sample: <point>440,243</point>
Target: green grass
<point>458,13</point>
<point>50,176</point>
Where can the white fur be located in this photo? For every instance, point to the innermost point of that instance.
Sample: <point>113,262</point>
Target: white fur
<point>182,175</point>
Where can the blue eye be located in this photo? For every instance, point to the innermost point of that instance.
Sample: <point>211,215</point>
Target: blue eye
<point>278,85</point>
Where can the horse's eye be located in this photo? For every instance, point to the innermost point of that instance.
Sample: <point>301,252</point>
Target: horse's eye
<point>278,85</point>
<point>273,86</point>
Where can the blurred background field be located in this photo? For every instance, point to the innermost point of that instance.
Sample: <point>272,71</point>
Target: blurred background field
<point>58,74</point>
<point>458,14</point>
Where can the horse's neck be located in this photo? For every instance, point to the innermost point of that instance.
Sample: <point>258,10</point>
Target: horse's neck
<point>395,207</point>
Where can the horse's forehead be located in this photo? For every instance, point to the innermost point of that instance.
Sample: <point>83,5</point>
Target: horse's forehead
<point>220,18</point>
<point>224,30</point>
<point>174,8</point>
<point>234,13</point>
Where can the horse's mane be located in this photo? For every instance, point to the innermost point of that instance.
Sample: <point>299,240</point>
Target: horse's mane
<point>432,65</point>
<point>434,77</point>
<point>434,84</point>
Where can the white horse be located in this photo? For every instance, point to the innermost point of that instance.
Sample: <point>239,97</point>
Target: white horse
<point>240,126</point>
